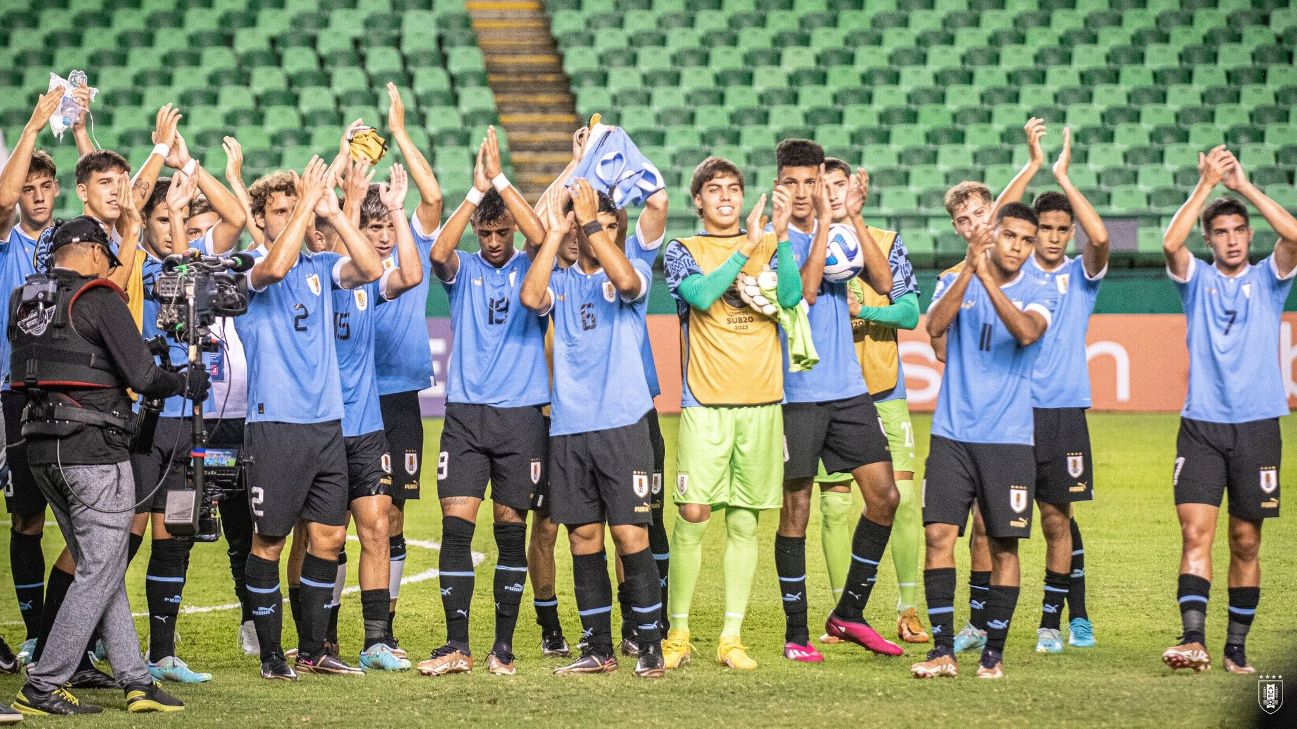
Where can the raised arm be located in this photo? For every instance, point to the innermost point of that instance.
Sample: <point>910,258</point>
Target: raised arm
<point>409,271</point>
<point>129,225</point>
<point>1026,326</point>
<point>79,133</point>
<point>445,264</point>
<point>234,176</point>
<point>534,293</point>
<point>179,194</point>
<point>1211,169</point>
<point>164,133</point>
<point>945,305</point>
<point>355,186</point>
<point>652,222</point>
<point>233,218</point>
<point>876,272</point>
<point>362,264</point>
<point>15,172</point>
<point>624,277</point>
<point>547,198</point>
<point>283,252</point>
<point>1017,187</point>
<point>1095,255</point>
<point>528,222</point>
<point>1285,226</point>
<point>429,210</point>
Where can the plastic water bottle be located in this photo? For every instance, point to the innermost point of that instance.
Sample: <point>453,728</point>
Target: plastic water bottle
<point>68,108</point>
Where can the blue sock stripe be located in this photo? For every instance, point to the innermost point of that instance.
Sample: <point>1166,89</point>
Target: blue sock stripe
<point>647,626</point>
<point>1077,551</point>
<point>1078,573</point>
<point>545,603</point>
<point>971,586</point>
<point>155,578</point>
<point>941,610</point>
<point>649,609</point>
<point>505,568</point>
<point>1194,598</point>
<point>1242,611</point>
<point>263,590</point>
<point>1063,590</point>
<point>792,579</point>
<point>662,557</point>
<point>32,586</point>
<point>594,611</point>
<point>321,585</point>
<point>858,558</point>
<point>458,574</point>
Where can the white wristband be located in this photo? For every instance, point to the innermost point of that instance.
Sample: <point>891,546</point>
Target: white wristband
<point>161,149</point>
<point>189,167</point>
<point>500,182</point>
<point>475,196</point>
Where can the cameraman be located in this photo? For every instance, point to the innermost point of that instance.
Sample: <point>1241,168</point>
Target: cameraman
<point>75,352</point>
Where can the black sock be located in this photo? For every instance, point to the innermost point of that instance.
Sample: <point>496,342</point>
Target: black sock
<point>236,522</point>
<point>295,605</point>
<point>1076,588</point>
<point>164,583</point>
<point>547,616</point>
<point>28,564</point>
<point>510,576</point>
<point>939,590</point>
<point>979,584</point>
<point>1192,594</point>
<point>55,591</point>
<point>1000,604</point>
<point>456,565</point>
<point>1242,609</point>
<point>262,579</point>
<point>594,601</point>
<point>1051,609</point>
<point>396,553</point>
<point>645,597</point>
<point>627,614</point>
<point>662,558</point>
<point>239,571</point>
<point>373,611</point>
<point>335,606</point>
<point>318,578</point>
<point>133,544</point>
<point>790,566</point>
<point>867,547</point>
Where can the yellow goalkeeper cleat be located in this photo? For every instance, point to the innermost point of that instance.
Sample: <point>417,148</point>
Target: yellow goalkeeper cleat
<point>732,654</point>
<point>676,650</point>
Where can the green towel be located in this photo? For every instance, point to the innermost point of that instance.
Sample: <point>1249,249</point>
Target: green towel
<point>796,323</point>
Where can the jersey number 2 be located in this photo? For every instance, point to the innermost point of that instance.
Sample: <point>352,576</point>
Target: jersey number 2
<point>299,319</point>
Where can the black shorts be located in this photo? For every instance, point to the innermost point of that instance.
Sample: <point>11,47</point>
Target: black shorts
<point>540,496</point>
<point>295,471</point>
<point>1000,477</point>
<point>366,475</point>
<point>602,476</point>
<point>656,495</point>
<point>1241,457</point>
<point>171,443</point>
<point>403,426</point>
<point>505,446</point>
<point>22,495</point>
<point>844,434</point>
<point>226,433</point>
<point>1064,466</point>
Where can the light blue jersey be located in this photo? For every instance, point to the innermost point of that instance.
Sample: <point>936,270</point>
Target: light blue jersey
<point>176,406</point>
<point>498,357</point>
<point>1233,338</point>
<point>17,262</point>
<point>986,390</point>
<point>1062,377</point>
<point>838,375</point>
<point>288,337</point>
<point>353,331</point>
<point>402,357</point>
<point>903,282</point>
<point>637,250</point>
<point>599,378</point>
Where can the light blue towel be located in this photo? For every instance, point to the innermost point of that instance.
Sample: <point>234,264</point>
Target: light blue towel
<point>613,165</point>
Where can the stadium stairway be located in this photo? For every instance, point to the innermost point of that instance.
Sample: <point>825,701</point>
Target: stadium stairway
<point>532,92</point>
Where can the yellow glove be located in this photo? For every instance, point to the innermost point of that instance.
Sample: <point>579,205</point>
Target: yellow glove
<point>366,145</point>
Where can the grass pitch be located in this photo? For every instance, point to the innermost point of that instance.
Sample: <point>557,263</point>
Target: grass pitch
<point>1132,547</point>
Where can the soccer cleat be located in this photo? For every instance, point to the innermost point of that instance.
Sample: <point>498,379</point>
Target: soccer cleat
<point>59,702</point>
<point>174,669</point>
<point>862,634</point>
<point>1049,640</point>
<point>444,660</point>
<point>991,665</point>
<point>91,678</point>
<point>248,639</point>
<point>395,645</point>
<point>969,638</point>
<point>9,716</point>
<point>500,663</point>
<point>1187,655</point>
<point>628,647</point>
<point>802,653</point>
<point>588,663</point>
<point>733,654</point>
<point>8,660</point>
<point>151,697</point>
<point>827,639</point>
<point>1236,661</point>
<point>276,668</point>
<point>650,663</point>
<point>940,664</point>
<point>379,657</point>
<point>1080,633</point>
<point>676,649</point>
<point>909,629</point>
<point>25,651</point>
<point>325,663</point>
<point>554,646</point>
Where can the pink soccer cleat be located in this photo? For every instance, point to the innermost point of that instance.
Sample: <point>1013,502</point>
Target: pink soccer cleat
<point>860,633</point>
<point>802,653</point>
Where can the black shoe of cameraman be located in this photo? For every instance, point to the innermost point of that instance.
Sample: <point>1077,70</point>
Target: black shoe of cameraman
<point>91,678</point>
<point>59,702</point>
<point>8,661</point>
<point>150,697</point>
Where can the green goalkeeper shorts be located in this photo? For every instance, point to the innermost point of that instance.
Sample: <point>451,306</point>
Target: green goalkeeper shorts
<point>731,456</point>
<point>895,415</point>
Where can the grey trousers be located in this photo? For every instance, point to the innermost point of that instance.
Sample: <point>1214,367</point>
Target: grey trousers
<point>98,542</point>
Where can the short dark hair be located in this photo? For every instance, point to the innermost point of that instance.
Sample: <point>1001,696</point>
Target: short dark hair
<point>322,225</point>
<point>372,207</point>
<point>1222,206</point>
<point>832,164</point>
<point>199,205</point>
<point>491,208</point>
<point>99,160</point>
<point>1052,201</point>
<point>798,153</point>
<point>961,193</point>
<point>42,164</point>
<point>267,185</point>
<point>606,205</point>
<point>157,196</point>
<point>1017,210</point>
<point>711,168</point>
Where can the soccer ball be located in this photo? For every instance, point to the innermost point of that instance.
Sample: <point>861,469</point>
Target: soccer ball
<point>845,259</point>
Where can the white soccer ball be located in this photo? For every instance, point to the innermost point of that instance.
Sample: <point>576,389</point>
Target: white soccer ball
<point>845,259</point>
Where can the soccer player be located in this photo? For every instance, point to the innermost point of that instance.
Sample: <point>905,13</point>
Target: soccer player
<point>1229,436</point>
<point>981,451</point>
<point>1061,395</point>
<point>296,463</point>
<point>731,428</point>
<point>601,456</point>
<point>875,319</point>
<point>494,428</point>
<point>828,414</point>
